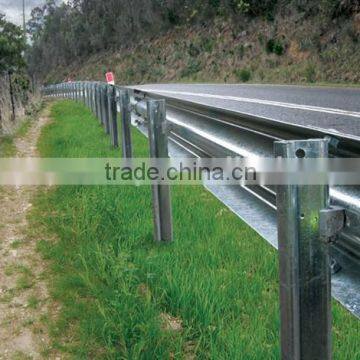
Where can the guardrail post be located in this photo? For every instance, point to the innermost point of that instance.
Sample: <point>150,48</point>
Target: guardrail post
<point>91,97</point>
<point>86,94</point>
<point>101,104</point>
<point>112,111</point>
<point>125,116</point>
<point>105,109</point>
<point>305,298</point>
<point>94,96</point>
<point>97,99</point>
<point>156,115</point>
<point>83,92</point>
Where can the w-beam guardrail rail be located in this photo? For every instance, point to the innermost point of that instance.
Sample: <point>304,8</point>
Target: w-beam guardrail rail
<point>308,260</point>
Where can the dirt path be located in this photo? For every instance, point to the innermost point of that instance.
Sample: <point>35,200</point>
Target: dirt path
<point>24,298</point>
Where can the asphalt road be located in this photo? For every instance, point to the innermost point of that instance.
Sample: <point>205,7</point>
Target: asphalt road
<point>332,109</point>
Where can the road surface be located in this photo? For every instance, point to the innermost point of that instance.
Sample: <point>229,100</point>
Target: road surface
<point>332,109</point>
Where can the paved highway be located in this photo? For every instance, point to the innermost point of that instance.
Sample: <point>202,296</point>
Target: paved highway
<point>332,109</point>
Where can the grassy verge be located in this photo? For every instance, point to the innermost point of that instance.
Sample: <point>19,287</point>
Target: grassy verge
<point>7,146</point>
<point>212,294</point>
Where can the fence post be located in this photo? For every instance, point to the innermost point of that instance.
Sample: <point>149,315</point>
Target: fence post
<point>97,101</point>
<point>92,98</point>
<point>83,84</point>
<point>125,116</point>
<point>96,108</point>
<point>101,104</point>
<point>305,298</point>
<point>112,110</point>
<point>156,115</point>
<point>105,108</point>
<point>87,95</point>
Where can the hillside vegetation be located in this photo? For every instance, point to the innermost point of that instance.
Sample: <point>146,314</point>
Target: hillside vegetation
<point>281,41</point>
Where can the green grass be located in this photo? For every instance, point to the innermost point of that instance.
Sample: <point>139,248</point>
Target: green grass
<point>219,278</point>
<point>33,302</point>
<point>7,146</point>
<point>24,127</point>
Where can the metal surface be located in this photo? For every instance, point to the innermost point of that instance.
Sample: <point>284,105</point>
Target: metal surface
<point>156,114</point>
<point>334,109</point>
<point>305,298</point>
<point>125,116</point>
<point>106,109</point>
<point>332,221</point>
<point>223,133</point>
<point>199,129</point>
<point>112,111</point>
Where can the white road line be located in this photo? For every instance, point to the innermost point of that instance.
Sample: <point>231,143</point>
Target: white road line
<point>262,102</point>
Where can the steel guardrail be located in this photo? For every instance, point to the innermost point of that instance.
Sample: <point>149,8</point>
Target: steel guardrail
<point>207,131</point>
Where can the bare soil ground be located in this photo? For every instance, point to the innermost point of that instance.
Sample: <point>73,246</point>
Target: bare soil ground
<point>24,299</point>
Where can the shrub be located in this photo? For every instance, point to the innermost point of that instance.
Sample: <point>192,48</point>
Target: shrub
<point>207,44</point>
<point>310,73</point>
<point>214,3</point>
<point>173,17</point>
<point>194,51</point>
<point>240,50</point>
<point>193,67</point>
<point>275,46</point>
<point>240,6</point>
<point>243,74</point>
<point>278,48</point>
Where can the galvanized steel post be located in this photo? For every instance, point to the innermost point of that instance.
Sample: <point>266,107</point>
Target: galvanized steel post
<point>158,138</point>
<point>91,97</point>
<point>112,111</point>
<point>101,104</point>
<point>87,95</point>
<point>82,92</point>
<point>305,298</point>
<point>105,109</point>
<point>125,116</point>
<point>97,101</point>
<point>76,87</point>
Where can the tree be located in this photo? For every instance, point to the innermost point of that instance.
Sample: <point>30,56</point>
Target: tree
<point>12,46</point>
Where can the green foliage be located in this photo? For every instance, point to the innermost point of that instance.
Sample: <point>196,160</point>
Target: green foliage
<point>7,146</point>
<point>275,46</point>
<point>207,44</point>
<point>240,50</point>
<point>328,8</point>
<point>310,73</point>
<point>173,17</point>
<point>12,45</point>
<point>192,68</point>
<point>194,50</point>
<point>65,33</point>
<point>243,74</point>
